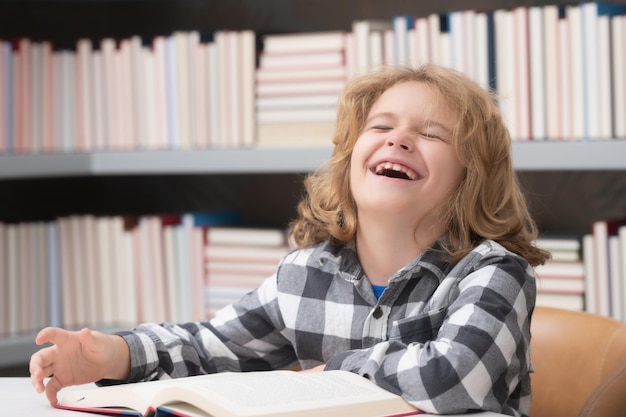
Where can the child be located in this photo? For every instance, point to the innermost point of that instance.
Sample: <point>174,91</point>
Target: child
<point>413,267</point>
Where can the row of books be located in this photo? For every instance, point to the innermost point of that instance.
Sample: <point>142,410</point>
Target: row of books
<point>115,271</point>
<point>561,280</point>
<point>558,71</point>
<point>238,260</point>
<point>586,273</point>
<point>172,92</point>
<point>298,82</point>
<point>118,271</point>
<point>604,256</point>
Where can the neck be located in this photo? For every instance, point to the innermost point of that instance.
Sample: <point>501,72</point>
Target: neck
<point>384,247</point>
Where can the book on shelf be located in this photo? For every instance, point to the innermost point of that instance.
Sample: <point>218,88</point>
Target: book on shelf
<point>521,66</point>
<point>225,235</point>
<point>368,43</point>
<point>53,276</point>
<point>302,60</point>
<point>561,269</point>
<point>563,248</point>
<point>621,264</point>
<point>244,394</point>
<point>561,285</point>
<point>264,75</point>
<point>505,66</point>
<point>596,71</point>
<point>237,260</point>
<point>561,281</point>
<point>285,43</point>
<point>295,109</point>
<point>602,270</point>
<point>300,85</point>
<point>573,15</point>
<point>616,277</point>
<point>192,90</point>
<point>128,93</point>
<point>297,88</point>
<point>157,114</point>
<point>551,71</point>
<point>295,134</point>
<point>301,102</point>
<point>618,54</point>
<point>401,25</point>
<point>537,64</point>
<point>565,76</point>
<point>297,115</point>
<point>4,283</point>
<point>6,94</point>
<point>566,301</point>
<point>59,273</point>
<point>245,253</point>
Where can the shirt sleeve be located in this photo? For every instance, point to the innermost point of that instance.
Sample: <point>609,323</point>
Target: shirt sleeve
<point>243,336</point>
<point>479,354</point>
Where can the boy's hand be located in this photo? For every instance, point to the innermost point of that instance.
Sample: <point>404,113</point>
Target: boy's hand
<point>76,358</point>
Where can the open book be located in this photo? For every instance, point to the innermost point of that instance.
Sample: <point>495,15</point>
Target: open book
<point>244,394</point>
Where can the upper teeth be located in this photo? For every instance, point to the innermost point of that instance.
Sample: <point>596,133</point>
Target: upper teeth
<point>396,167</point>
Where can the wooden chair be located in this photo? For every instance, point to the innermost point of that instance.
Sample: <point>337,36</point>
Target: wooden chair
<point>580,364</point>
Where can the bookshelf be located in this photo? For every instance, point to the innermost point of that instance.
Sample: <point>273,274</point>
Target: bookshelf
<point>214,161</point>
<point>527,156</point>
<point>65,20</point>
<point>263,182</point>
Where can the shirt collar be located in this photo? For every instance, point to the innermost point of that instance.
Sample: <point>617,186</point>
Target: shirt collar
<point>343,259</point>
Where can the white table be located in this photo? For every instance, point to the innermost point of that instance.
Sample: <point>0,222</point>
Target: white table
<point>19,399</point>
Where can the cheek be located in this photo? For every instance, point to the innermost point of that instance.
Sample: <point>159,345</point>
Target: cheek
<point>358,161</point>
<point>451,169</point>
<point>354,174</point>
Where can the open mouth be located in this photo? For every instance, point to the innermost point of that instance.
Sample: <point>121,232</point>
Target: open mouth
<point>392,170</point>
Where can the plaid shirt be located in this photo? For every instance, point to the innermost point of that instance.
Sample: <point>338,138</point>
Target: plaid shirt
<point>449,338</point>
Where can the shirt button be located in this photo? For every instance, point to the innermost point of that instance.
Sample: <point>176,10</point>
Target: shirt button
<point>378,312</point>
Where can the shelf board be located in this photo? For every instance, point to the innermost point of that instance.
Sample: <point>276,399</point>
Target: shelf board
<point>16,350</point>
<point>583,155</point>
<point>215,161</point>
<point>527,156</point>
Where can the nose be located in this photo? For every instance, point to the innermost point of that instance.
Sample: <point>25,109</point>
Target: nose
<point>400,141</point>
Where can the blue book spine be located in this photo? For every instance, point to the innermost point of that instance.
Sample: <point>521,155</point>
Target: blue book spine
<point>491,51</point>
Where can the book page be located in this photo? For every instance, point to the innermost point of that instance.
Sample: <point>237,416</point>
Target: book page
<point>249,394</point>
<point>137,396</point>
<point>285,393</point>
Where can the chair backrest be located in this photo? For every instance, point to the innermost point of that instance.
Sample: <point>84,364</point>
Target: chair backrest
<point>580,364</point>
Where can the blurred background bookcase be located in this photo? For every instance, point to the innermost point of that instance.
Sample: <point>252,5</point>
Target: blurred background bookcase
<point>568,184</point>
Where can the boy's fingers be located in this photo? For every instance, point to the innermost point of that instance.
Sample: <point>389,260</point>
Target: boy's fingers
<point>52,389</point>
<point>36,379</point>
<point>47,335</point>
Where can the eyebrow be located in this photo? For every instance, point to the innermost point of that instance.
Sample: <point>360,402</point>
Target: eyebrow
<point>440,125</point>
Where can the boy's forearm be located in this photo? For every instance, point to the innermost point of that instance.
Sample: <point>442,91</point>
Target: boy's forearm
<point>120,365</point>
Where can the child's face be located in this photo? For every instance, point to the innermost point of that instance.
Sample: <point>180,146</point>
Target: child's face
<point>404,162</point>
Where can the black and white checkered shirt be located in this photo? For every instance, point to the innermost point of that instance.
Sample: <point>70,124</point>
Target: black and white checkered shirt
<point>449,338</point>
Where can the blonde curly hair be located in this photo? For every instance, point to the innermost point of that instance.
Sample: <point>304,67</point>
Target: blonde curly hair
<point>488,203</point>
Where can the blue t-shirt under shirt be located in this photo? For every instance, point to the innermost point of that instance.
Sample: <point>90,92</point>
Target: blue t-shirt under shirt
<point>378,290</point>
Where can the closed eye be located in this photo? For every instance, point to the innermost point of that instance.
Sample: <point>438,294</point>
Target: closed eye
<point>433,136</point>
